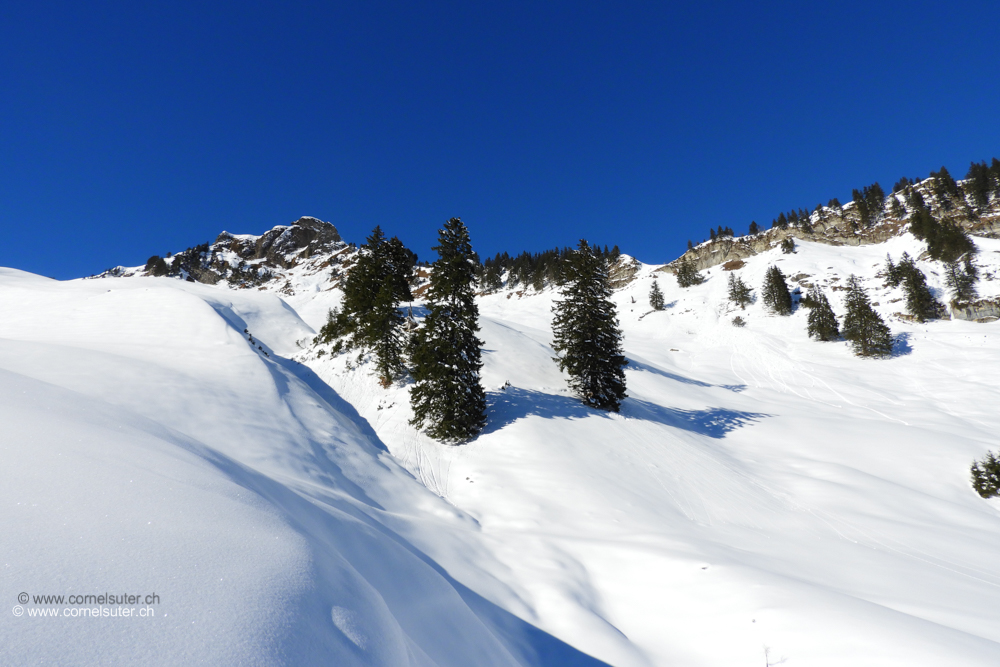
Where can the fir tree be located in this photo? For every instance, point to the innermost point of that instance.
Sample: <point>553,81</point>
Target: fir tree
<point>739,292</point>
<point>863,327</point>
<point>919,301</point>
<point>586,333</point>
<point>373,290</point>
<point>788,245</point>
<point>961,276</point>
<point>986,476</point>
<point>656,297</point>
<point>447,399</point>
<point>822,323</point>
<point>775,292</point>
<point>754,227</point>
<point>687,274</point>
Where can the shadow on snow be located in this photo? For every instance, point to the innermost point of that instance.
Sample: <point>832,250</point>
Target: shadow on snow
<point>506,407</point>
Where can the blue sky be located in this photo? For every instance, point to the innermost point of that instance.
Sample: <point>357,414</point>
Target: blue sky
<point>131,129</point>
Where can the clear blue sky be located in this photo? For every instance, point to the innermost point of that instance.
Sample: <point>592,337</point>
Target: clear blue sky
<point>132,128</point>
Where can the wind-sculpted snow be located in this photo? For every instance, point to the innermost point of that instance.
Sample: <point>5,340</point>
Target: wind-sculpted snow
<point>149,448</point>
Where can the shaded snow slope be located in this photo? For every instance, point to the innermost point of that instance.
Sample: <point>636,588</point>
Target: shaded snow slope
<point>149,448</point>
<point>758,489</point>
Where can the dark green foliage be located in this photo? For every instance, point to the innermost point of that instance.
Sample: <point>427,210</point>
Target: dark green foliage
<point>775,292</point>
<point>944,185</point>
<point>656,297</point>
<point>375,286</point>
<point>985,476</point>
<point>687,274</point>
<point>690,245</point>
<point>893,276</point>
<point>721,232</point>
<point>863,327</point>
<point>914,199</point>
<point>781,222</point>
<point>946,241</point>
<point>739,292</point>
<point>447,399</point>
<point>530,269</point>
<point>961,276</point>
<point>156,266</point>
<point>834,203</point>
<point>754,227</point>
<point>788,245</point>
<point>337,325</point>
<point>902,184</point>
<point>896,209</point>
<point>586,333</point>
<point>822,323</point>
<point>920,303</point>
<point>870,204</point>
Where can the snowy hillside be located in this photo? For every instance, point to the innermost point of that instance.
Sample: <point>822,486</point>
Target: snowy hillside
<point>758,489</point>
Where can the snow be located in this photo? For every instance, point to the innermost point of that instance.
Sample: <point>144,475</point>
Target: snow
<point>758,489</point>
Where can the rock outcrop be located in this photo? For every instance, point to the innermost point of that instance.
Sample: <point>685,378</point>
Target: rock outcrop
<point>983,310</point>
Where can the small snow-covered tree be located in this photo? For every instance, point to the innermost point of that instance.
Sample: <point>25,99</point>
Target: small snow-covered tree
<point>986,476</point>
<point>822,323</point>
<point>775,293</point>
<point>586,332</point>
<point>447,398</point>
<point>656,297</point>
<point>863,327</point>
<point>739,292</point>
<point>920,303</point>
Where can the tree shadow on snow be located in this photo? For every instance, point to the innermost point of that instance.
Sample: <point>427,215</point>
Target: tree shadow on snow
<point>506,407</point>
<point>648,368</point>
<point>901,345</point>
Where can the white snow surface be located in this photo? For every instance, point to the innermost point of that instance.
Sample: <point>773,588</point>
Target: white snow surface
<point>759,491</point>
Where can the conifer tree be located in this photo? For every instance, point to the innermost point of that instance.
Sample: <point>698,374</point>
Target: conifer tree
<point>919,301</point>
<point>586,332</point>
<point>373,290</point>
<point>775,293</point>
<point>986,476</point>
<point>961,276</point>
<point>754,227</point>
<point>656,297</point>
<point>447,399</point>
<point>739,292</point>
<point>863,327</point>
<point>687,274</point>
<point>822,323</point>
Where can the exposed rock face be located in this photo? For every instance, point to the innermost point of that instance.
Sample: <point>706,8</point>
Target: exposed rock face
<point>842,226</point>
<point>622,271</point>
<point>282,246</point>
<point>983,310</point>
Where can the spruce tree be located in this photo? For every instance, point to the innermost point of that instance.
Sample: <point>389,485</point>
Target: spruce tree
<point>822,323</point>
<point>373,290</point>
<point>656,296</point>
<point>863,327</point>
<point>447,399</point>
<point>739,292</point>
<point>775,293</point>
<point>586,333</point>
<point>919,301</point>
<point>687,274</point>
<point>961,276</point>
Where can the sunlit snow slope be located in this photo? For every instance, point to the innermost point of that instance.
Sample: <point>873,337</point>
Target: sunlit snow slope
<point>146,447</point>
<point>759,491</point>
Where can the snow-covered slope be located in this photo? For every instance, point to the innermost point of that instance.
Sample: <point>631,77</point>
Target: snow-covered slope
<point>149,448</point>
<point>758,489</point>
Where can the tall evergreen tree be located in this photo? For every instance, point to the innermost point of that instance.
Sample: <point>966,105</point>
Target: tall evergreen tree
<point>373,290</point>
<point>863,327</point>
<point>687,274</point>
<point>961,276</point>
<point>656,296</point>
<point>822,323</point>
<point>586,332</point>
<point>754,227</point>
<point>919,301</point>
<point>775,293</point>
<point>447,399</point>
<point>739,292</point>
